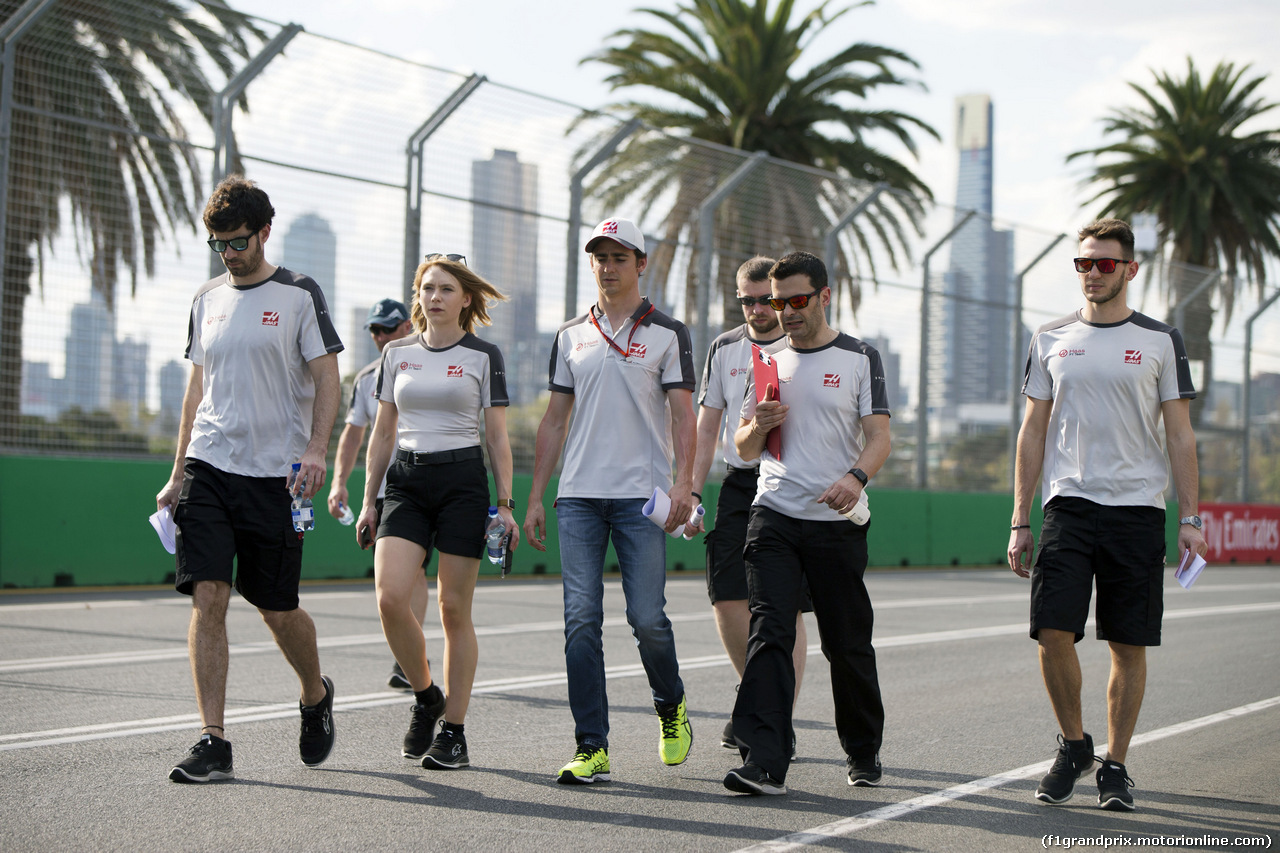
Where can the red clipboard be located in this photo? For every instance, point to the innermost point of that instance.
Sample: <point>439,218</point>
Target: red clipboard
<point>765,374</point>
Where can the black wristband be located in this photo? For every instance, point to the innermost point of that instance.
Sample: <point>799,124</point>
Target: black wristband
<point>696,495</point>
<point>1020,527</point>
<point>859,475</point>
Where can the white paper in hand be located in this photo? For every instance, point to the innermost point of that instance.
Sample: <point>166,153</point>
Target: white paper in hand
<point>1189,569</point>
<point>162,521</point>
<point>658,507</point>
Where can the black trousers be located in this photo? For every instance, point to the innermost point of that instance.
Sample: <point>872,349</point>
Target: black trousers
<point>832,556</point>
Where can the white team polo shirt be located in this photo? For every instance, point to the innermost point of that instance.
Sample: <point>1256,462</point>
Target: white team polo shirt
<point>619,442</point>
<point>254,343</point>
<point>363,410</point>
<point>829,390</point>
<point>1107,382</point>
<point>724,385</point>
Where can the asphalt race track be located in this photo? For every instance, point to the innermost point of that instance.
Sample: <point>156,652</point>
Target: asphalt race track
<point>97,704</point>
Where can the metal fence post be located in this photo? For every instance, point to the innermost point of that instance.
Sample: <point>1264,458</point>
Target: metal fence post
<point>706,216</point>
<point>1245,397</point>
<point>922,394</point>
<point>224,143</point>
<point>830,240</point>
<point>1015,411</point>
<point>413,177</point>
<point>573,250</point>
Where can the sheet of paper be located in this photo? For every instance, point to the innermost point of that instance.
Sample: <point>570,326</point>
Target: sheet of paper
<point>658,507</point>
<point>162,521</point>
<point>1189,569</point>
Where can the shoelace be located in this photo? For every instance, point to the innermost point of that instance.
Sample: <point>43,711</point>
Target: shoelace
<point>1064,760</point>
<point>670,721</point>
<point>1116,773</point>
<point>312,720</point>
<point>587,755</point>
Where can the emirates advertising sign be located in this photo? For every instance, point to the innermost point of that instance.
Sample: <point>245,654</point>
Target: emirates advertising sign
<point>1241,533</point>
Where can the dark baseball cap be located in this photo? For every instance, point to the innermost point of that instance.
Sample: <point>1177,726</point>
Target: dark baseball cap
<point>388,312</point>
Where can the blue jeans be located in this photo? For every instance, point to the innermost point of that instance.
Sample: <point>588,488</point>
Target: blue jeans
<point>585,526</point>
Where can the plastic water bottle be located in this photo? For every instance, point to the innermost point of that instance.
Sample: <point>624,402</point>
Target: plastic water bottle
<point>347,518</point>
<point>495,537</point>
<point>698,512</point>
<point>304,514</point>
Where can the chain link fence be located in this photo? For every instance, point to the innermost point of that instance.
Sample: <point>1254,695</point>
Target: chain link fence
<point>372,161</point>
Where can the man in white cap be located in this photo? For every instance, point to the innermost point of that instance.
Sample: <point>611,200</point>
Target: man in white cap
<point>619,369</point>
<point>388,321</point>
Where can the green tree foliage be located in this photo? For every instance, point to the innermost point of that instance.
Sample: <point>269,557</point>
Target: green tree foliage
<point>729,72</point>
<point>100,88</point>
<point>1194,155</point>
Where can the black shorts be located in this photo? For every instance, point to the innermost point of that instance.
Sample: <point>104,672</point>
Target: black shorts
<point>726,570</point>
<point>1122,549</point>
<point>445,505</point>
<point>223,519</point>
<point>377,506</point>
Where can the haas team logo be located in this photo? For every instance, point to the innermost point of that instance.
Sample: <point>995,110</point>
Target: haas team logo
<point>636,351</point>
<point>831,380</point>
<point>454,371</point>
<point>609,227</point>
<point>1133,356</point>
<point>271,318</point>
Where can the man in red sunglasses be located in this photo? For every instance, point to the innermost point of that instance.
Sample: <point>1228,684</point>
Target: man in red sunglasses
<point>833,410</point>
<point>1098,383</point>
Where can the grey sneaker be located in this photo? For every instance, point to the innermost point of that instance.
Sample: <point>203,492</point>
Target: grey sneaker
<point>1074,759</point>
<point>209,760</point>
<point>750,779</point>
<point>315,741</point>
<point>1113,787</point>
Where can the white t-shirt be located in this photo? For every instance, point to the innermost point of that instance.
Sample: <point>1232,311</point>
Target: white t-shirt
<point>828,391</point>
<point>619,442</point>
<point>724,385</point>
<point>254,343</point>
<point>363,410</point>
<point>441,393</point>
<point>1106,383</point>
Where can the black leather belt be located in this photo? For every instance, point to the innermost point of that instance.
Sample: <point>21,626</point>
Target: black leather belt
<point>731,470</point>
<point>440,457</point>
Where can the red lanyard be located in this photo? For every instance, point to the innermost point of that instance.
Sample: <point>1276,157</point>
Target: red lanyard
<point>624,353</point>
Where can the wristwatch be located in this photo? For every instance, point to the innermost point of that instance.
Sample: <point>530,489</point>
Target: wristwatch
<point>1193,520</point>
<point>508,503</point>
<point>859,474</point>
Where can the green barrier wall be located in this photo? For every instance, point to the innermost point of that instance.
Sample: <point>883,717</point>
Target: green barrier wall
<point>83,522</point>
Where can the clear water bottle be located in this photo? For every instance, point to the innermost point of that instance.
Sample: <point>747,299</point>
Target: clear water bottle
<point>495,537</point>
<point>304,514</point>
<point>347,518</point>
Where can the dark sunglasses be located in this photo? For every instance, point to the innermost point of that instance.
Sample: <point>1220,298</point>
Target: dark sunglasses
<point>437,256</point>
<point>237,243</point>
<point>796,302</point>
<point>1106,266</point>
<point>748,301</point>
<point>382,330</point>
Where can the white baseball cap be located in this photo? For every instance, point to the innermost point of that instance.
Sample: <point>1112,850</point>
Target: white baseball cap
<point>623,231</point>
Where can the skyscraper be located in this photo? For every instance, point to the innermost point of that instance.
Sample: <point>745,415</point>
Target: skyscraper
<point>504,242</point>
<point>970,355</point>
<point>311,247</point>
<point>129,384</point>
<point>90,355</point>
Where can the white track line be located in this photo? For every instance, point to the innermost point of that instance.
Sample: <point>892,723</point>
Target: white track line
<point>841,828</point>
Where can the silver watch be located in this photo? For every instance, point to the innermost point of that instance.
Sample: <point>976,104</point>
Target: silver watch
<point>1193,520</point>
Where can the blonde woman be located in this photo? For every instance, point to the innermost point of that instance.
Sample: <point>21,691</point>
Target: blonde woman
<point>433,388</point>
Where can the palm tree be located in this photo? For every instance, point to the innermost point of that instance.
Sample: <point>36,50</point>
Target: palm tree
<point>99,92</point>
<point>1186,156</point>
<point>731,67</point>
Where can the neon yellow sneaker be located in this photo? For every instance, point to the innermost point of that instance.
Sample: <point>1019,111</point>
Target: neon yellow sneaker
<point>590,764</point>
<point>676,735</point>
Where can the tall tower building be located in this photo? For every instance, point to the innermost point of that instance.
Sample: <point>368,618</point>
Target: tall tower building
<point>130,379</point>
<point>504,242</point>
<point>90,355</point>
<point>173,385</point>
<point>311,248</point>
<point>970,355</point>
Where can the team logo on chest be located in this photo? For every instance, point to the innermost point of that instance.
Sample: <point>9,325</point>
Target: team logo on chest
<point>636,350</point>
<point>454,371</point>
<point>831,380</point>
<point>1133,356</point>
<point>271,318</point>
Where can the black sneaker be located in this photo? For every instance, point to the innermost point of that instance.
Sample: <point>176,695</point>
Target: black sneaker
<point>1113,787</point>
<point>1073,761</point>
<point>448,751</point>
<point>316,740</point>
<point>750,779</point>
<point>210,760</point>
<point>727,740</point>
<point>396,679</point>
<point>865,772</point>
<point>422,725</point>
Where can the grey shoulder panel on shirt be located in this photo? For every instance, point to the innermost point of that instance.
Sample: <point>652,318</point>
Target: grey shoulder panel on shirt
<point>689,379</point>
<point>497,367</point>
<point>360,375</point>
<point>332,343</point>
<point>879,387</point>
<point>1073,317</point>
<point>1186,389</point>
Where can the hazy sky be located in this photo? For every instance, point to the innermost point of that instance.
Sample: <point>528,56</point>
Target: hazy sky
<point>1051,68</point>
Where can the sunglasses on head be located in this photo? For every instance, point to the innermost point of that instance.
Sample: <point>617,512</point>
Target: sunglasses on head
<point>237,243</point>
<point>748,301</point>
<point>437,256</point>
<point>1106,266</point>
<point>796,302</point>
